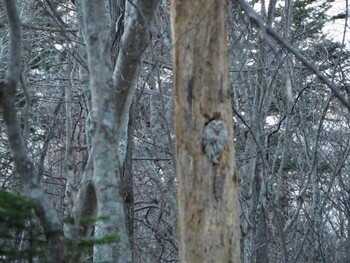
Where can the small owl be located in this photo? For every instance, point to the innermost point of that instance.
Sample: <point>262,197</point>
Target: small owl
<point>214,139</point>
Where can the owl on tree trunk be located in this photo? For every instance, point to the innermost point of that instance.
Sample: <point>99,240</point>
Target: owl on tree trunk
<point>214,139</point>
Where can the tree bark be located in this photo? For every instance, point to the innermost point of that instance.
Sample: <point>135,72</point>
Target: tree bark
<point>24,166</point>
<point>111,99</point>
<point>104,156</point>
<point>133,43</point>
<point>117,17</point>
<point>207,191</point>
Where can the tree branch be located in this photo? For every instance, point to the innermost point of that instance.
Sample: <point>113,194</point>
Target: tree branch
<point>133,43</point>
<point>24,166</point>
<point>49,28</point>
<point>258,21</point>
<point>14,64</point>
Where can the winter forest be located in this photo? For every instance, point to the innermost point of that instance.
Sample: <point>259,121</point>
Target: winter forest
<point>175,131</point>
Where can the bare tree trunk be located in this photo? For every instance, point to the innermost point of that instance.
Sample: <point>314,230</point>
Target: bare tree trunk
<point>104,155</point>
<point>127,182</point>
<point>117,18</point>
<point>207,183</point>
<point>133,43</point>
<point>68,163</point>
<point>111,100</point>
<point>24,166</point>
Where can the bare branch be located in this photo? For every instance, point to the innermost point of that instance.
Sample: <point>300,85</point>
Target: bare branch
<point>14,65</point>
<point>49,28</point>
<point>258,21</point>
<point>24,166</point>
<point>133,43</point>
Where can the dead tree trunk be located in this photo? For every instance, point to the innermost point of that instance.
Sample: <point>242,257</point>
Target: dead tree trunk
<point>207,181</point>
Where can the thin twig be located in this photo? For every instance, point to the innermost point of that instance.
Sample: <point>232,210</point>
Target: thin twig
<point>258,21</point>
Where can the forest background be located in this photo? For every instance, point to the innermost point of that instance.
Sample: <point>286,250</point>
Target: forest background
<point>290,121</point>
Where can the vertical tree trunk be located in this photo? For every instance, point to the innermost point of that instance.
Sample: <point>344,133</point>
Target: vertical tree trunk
<point>24,166</point>
<point>111,96</point>
<point>104,151</point>
<point>127,182</point>
<point>117,17</point>
<point>207,187</point>
<point>68,164</point>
